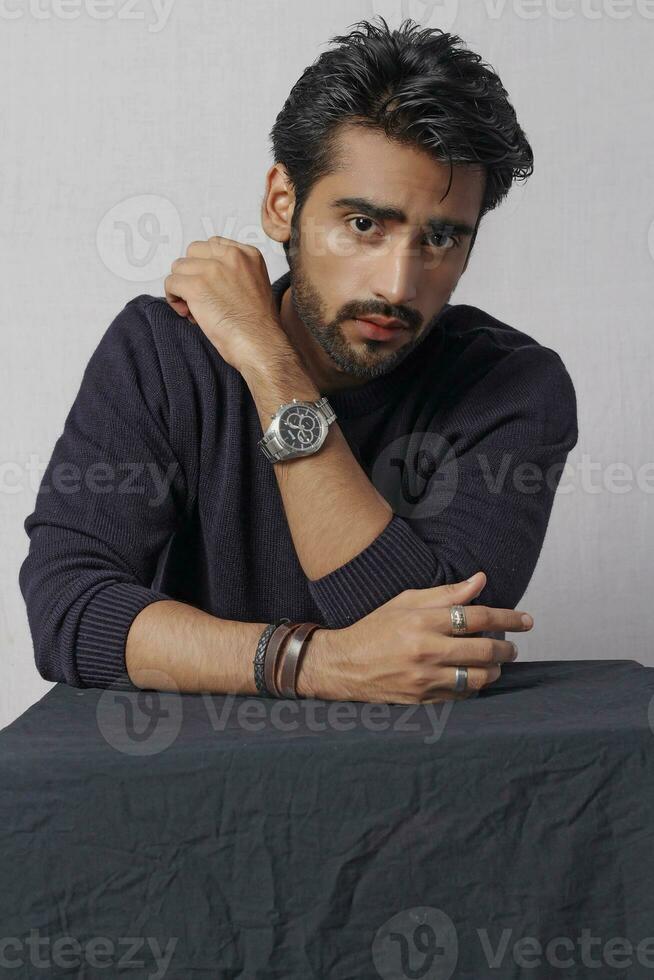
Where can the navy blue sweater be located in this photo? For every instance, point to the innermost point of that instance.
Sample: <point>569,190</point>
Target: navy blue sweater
<point>156,488</point>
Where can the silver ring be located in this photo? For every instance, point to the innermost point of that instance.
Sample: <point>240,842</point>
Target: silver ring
<point>458,617</point>
<point>461,679</point>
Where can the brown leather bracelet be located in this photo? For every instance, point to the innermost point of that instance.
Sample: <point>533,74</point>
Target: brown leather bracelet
<point>291,656</point>
<point>272,656</point>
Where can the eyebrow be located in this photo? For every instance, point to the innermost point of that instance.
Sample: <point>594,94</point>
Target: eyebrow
<point>387,212</point>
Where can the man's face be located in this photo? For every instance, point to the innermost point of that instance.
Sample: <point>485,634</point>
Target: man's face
<point>346,260</point>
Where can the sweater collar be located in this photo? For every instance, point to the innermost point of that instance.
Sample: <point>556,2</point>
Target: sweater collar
<point>361,399</point>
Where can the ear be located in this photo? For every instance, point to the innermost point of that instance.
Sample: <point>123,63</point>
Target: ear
<point>278,204</point>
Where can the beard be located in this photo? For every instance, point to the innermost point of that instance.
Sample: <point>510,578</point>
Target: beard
<point>372,358</point>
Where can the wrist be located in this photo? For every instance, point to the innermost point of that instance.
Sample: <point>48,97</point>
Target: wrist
<point>277,361</point>
<point>320,670</point>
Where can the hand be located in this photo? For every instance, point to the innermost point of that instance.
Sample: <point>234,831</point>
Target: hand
<point>224,287</point>
<point>404,652</point>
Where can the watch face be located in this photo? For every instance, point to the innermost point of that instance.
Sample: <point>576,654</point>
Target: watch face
<point>300,427</point>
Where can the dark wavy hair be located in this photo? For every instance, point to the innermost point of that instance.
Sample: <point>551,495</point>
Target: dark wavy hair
<point>420,87</point>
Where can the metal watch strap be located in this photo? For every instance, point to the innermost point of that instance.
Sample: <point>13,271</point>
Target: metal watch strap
<point>264,446</point>
<point>326,408</point>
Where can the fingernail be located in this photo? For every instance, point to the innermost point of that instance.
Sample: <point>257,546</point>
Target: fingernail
<point>527,620</point>
<point>515,650</point>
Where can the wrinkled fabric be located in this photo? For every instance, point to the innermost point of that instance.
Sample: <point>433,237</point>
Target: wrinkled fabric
<point>255,838</point>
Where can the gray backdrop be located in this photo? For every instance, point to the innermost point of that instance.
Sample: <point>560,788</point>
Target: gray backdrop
<point>111,113</point>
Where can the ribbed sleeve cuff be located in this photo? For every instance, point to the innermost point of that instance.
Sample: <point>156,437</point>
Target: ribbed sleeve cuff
<point>102,634</point>
<point>396,560</point>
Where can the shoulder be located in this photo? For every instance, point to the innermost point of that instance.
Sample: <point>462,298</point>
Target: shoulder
<point>468,324</point>
<point>152,318</point>
<point>151,360</point>
<point>497,362</point>
<point>157,342</point>
<point>148,348</point>
<point>473,335</point>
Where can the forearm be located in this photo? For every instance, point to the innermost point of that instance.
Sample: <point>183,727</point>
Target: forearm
<point>172,646</point>
<point>333,510</point>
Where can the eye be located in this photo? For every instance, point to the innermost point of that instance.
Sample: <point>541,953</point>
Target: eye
<point>360,217</point>
<point>440,234</point>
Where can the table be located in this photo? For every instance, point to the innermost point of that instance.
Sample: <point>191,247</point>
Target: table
<point>220,836</point>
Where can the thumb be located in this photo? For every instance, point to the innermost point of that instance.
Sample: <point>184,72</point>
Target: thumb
<point>451,593</point>
<point>470,587</point>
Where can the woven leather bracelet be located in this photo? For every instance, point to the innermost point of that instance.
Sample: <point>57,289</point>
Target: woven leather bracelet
<point>291,656</point>
<point>273,651</point>
<point>259,657</point>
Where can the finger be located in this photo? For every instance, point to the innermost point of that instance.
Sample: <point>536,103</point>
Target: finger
<point>183,267</point>
<point>177,286</point>
<point>192,266</point>
<point>215,246</point>
<point>180,306</point>
<point>478,677</point>
<point>442,596</point>
<point>199,249</point>
<point>477,652</point>
<point>218,242</point>
<point>176,289</point>
<point>483,619</point>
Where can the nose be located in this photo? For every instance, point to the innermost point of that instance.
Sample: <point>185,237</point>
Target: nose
<point>396,273</point>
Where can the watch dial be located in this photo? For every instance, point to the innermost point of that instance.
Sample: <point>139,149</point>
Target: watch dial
<point>299,427</point>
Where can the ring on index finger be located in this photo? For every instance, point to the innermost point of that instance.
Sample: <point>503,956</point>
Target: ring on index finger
<point>458,618</point>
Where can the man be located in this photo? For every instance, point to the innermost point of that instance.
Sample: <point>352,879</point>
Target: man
<point>436,455</point>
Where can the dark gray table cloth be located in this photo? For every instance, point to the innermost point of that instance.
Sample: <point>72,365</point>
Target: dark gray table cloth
<point>196,836</point>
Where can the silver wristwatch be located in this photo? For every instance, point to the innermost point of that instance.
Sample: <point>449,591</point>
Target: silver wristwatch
<point>298,428</point>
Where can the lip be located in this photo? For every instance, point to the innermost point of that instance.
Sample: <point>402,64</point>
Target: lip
<point>374,331</point>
